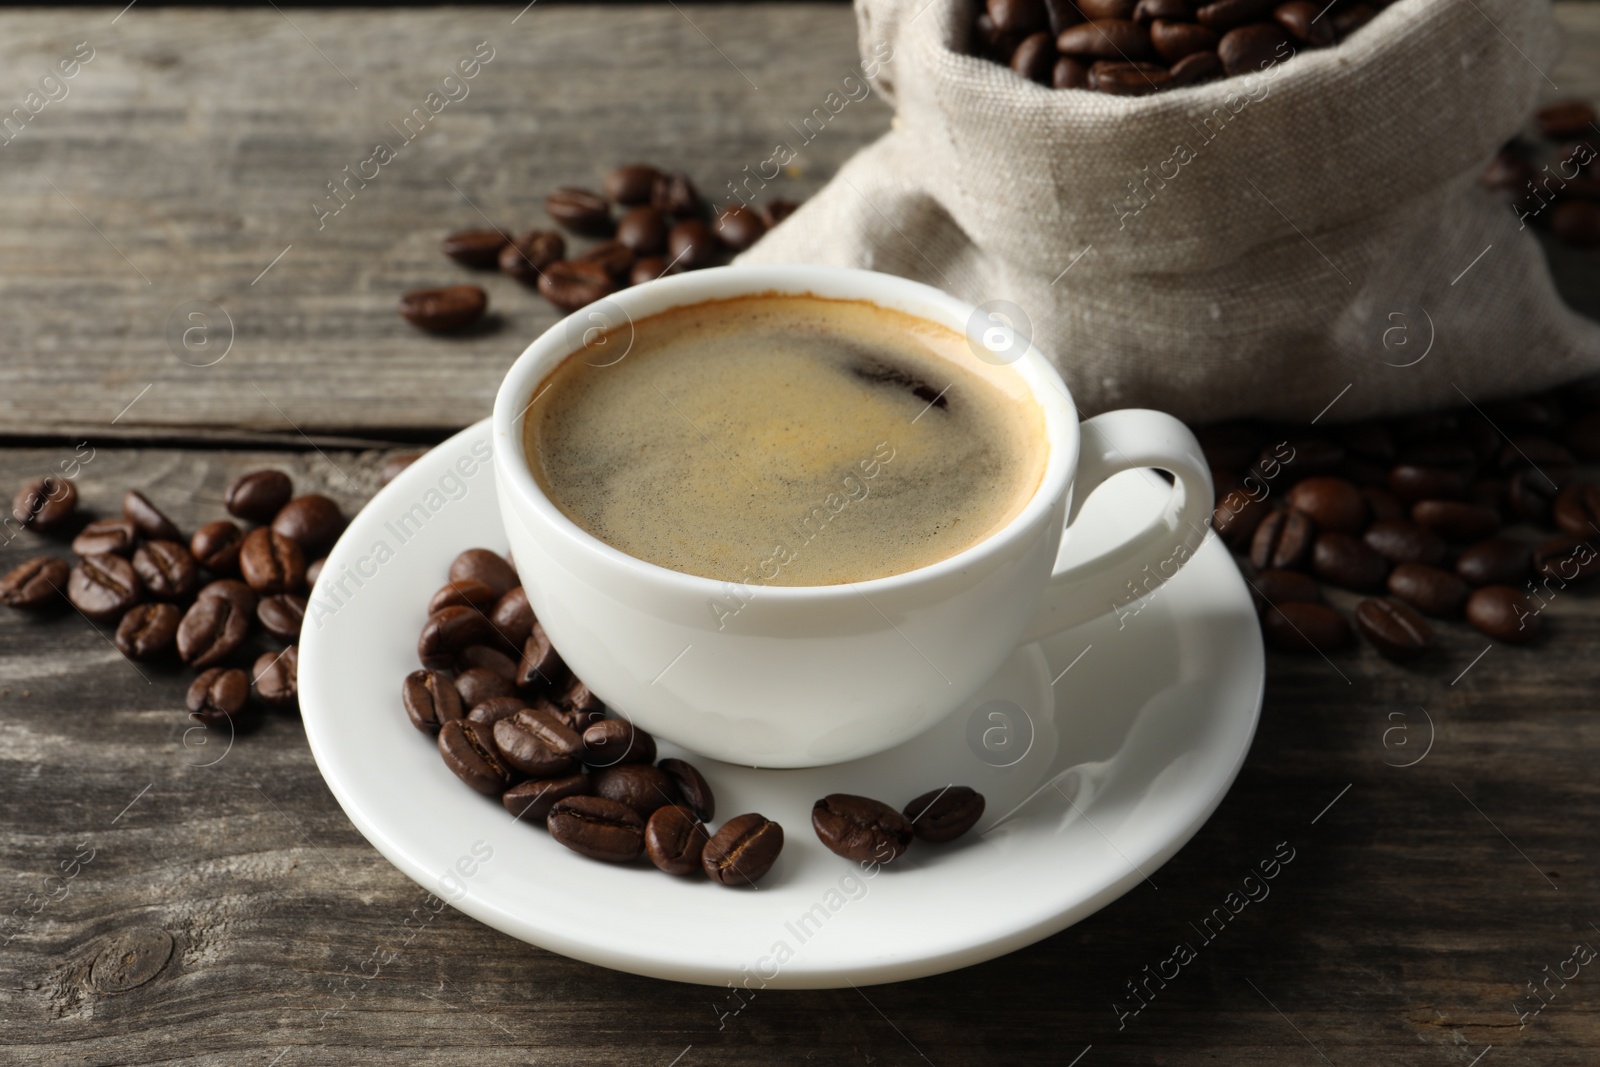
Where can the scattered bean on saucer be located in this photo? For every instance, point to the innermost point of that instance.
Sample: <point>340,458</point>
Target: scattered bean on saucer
<point>175,599</point>
<point>646,222</point>
<point>1478,514</point>
<point>512,721</point>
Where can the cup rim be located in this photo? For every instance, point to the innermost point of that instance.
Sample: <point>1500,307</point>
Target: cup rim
<point>891,292</point>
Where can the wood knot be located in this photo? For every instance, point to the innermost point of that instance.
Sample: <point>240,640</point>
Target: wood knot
<point>129,959</point>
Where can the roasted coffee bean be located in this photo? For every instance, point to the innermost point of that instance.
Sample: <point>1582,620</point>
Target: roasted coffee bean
<point>1394,629</point>
<point>232,590</point>
<point>215,546</point>
<point>1566,559</point>
<point>104,587</point>
<point>579,720</point>
<point>675,839</point>
<point>116,537</point>
<point>520,739</point>
<point>743,850</point>
<point>1566,118</point>
<point>571,285</point>
<point>218,695</point>
<point>1577,510</point>
<point>1456,521</point>
<point>1224,15</point>
<point>1128,79</point>
<point>1283,587</point>
<point>1382,504</point>
<point>738,227</point>
<point>1429,589</point>
<point>1033,59</point>
<point>1531,496</point>
<point>1283,540</point>
<point>468,750</point>
<point>643,230</point>
<point>692,787</point>
<point>860,828</point>
<point>282,615</point>
<point>1019,17</point>
<point>1403,541</point>
<point>1252,48</point>
<point>1110,39</point>
<point>1504,614</point>
<point>1412,482</point>
<point>776,210</point>
<point>631,183</point>
<point>167,570</point>
<point>942,815</point>
<point>494,709</point>
<point>676,195</point>
<point>1304,20</point>
<point>148,631</point>
<point>540,665</point>
<point>513,617</point>
<point>1236,518</point>
<point>430,699</point>
<point>613,257</point>
<point>275,678</point>
<point>447,632</point>
<point>640,786</point>
<point>487,658</point>
<point>1069,73</point>
<point>1496,561</point>
<point>313,521</point>
<point>1508,172</point>
<point>579,211</point>
<point>596,827</point>
<point>1544,454</point>
<point>1107,9</point>
<point>1347,562</point>
<point>614,741</point>
<point>463,593</point>
<point>258,496</point>
<point>44,504</point>
<point>533,800</point>
<point>531,254</point>
<point>479,683</point>
<point>577,696</point>
<point>1332,503</point>
<point>314,571</point>
<point>1576,222</point>
<point>271,562</point>
<point>36,583</point>
<point>647,269</point>
<point>1167,11</point>
<point>1175,40</point>
<point>490,568</point>
<point>212,630</point>
<point>478,249</point>
<point>445,309</point>
<point>1303,627</point>
<point>548,725</point>
<point>1194,69</point>
<point>692,245</point>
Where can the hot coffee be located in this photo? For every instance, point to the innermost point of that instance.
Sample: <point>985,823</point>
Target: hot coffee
<point>785,440</point>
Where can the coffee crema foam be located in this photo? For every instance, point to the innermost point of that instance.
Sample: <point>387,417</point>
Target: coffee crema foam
<point>786,440</point>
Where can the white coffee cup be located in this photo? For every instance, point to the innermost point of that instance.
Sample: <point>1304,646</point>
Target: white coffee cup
<point>810,675</point>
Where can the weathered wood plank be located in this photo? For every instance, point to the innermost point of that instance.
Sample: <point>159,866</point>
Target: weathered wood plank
<point>1401,933</point>
<point>190,150</point>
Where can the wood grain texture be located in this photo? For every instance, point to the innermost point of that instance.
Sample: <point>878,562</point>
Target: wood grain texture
<point>1414,911</point>
<point>190,150</point>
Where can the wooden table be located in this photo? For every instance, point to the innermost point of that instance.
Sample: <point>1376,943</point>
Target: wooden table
<point>223,914</point>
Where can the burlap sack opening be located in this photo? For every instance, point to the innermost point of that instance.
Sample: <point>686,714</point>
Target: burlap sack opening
<point>1248,247</point>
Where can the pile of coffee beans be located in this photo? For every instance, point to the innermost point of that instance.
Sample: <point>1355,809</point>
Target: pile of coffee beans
<point>648,222</point>
<point>226,596</point>
<point>1479,513</point>
<point>513,722</point>
<point>1137,47</point>
<point>1550,178</point>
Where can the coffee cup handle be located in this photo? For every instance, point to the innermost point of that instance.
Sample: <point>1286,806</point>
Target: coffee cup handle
<point>1111,443</point>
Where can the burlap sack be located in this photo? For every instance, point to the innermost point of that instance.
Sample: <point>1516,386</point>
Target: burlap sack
<point>1245,247</point>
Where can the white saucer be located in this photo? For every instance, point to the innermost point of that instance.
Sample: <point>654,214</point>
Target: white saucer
<point>1124,757</point>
